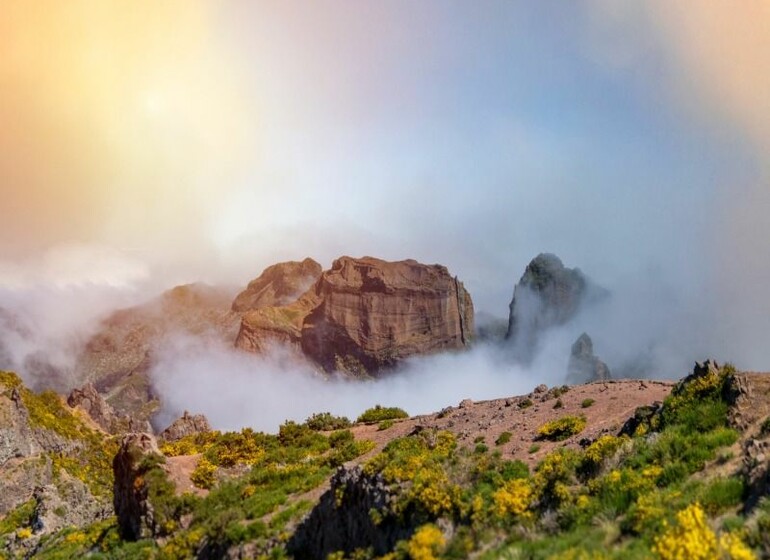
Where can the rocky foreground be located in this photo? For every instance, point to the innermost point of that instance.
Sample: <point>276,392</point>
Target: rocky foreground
<point>624,469</point>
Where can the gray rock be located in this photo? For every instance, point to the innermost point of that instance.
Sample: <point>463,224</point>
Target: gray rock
<point>584,366</point>
<point>186,425</point>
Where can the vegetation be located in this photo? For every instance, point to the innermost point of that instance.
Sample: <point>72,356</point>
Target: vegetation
<point>326,422</point>
<point>616,497</point>
<point>503,438</point>
<point>379,413</point>
<point>562,428</point>
<point>587,403</point>
<point>84,452</point>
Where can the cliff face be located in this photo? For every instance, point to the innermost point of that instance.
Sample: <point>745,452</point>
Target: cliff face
<point>367,314</point>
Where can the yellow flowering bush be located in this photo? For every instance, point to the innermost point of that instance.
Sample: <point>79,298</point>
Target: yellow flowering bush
<point>691,538</point>
<point>513,498</point>
<point>203,474</point>
<point>426,543</point>
<point>562,428</point>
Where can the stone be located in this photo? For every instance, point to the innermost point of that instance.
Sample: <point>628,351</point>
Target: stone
<point>547,295</point>
<point>278,285</point>
<point>186,425</point>
<point>366,315</point>
<point>583,365</point>
<point>89,400</point>
<point>134,511</point>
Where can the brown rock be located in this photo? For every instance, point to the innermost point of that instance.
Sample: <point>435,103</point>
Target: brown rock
<point>367,314</point>
<point>92,403</point>
<point>279,284</point>
<point>186,425</point>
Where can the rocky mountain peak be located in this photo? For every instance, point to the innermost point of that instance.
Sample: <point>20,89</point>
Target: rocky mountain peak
<point>366,314</point>
<point>279,284</point>
<point>547,295</point>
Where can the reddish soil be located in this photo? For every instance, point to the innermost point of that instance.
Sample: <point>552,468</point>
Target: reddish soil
<point>614,403</point>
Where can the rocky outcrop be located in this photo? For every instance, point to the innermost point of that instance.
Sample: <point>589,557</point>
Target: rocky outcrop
<point>343,519</point>
<point>278,285</point>
<point>584,366</point>
<point>547,295</point>
<point>186,425</point>
<point>29,442</point>
<point>364,315</point>
<point>68,503</point>
<point>133,507</point>
<point>118,358</point>
<point>92,403</point>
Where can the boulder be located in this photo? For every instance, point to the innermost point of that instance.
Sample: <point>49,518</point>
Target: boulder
<point>279,284</point>
<point>365,315</point>
<point>584,366</point>
<point>186,425</point>
<point>547,295</point>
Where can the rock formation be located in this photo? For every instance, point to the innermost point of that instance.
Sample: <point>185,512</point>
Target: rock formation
<point>584,366</point>
<point>279,284</point>
<point>346,524</point>
<point>28,443</point>
<point>92,403</point>
<point>547,295</point>
<point>367,314</point>
<point>186,425</point>
<point>133,507</point>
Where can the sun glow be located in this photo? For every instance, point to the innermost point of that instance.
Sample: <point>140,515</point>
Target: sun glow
<point>145,119</point>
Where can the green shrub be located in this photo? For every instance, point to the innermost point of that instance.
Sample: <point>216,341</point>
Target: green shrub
<point>504,438</point>
<point>558,404</point>
<point>526,403</point>
<point>379,413</point>
<point>562,428</point>
<point>340,438</point>
<point>534,448</point>
<point>384,425</point>
<point>587,403</point>
<point>481,448</point>
<point>326,422</point>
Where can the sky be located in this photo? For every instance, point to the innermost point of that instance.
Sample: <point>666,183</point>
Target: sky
<point>154,143</point>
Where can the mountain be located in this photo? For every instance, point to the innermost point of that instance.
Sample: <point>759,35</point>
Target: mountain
<point>547,295</point>
<point>118,358</point>
<point>366,315</point>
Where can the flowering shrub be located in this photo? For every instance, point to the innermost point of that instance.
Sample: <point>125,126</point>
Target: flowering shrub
<point>203,474</point>
<point>562,428</point>
<point>691,538</point>
<point>513,499</point>
<point>426,543</point>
